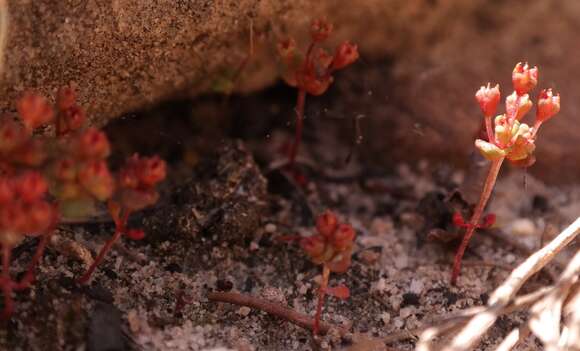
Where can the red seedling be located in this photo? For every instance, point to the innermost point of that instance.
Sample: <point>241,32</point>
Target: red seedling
<point>43,178</point>
<point>311,72</point>
<point>331,248</point>
<point>507,138</point>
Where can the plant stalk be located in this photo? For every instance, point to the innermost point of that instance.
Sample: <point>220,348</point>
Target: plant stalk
<point>476,217</point>
<point>321,297</point>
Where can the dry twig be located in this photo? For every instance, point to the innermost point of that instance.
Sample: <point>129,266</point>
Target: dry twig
<point>272,308</point>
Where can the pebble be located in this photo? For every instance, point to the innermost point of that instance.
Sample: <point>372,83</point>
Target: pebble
<point>270,228</point>
<point>244,311</point>
<point>416,286</point>
<point>386,318</point>
<point>522,227</point>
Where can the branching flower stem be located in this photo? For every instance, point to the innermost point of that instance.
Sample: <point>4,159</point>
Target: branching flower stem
<point>120,228</point>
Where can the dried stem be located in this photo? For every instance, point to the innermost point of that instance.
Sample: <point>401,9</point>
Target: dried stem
<point>272,308</point>
<point>476,218</point>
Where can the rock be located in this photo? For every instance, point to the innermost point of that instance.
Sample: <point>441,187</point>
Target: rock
<point>225,197</point>
<point>125,55</point>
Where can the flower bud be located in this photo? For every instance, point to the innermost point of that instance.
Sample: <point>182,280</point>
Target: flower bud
<point>524,78</point>
<point>320,30</point>
<point>65,169</point>
<point>40,215</point>
<point>323,60</point>
<point>548,105</point>
<point>287,48</point>
<point>316,86</point>
<point>73,118</point>
<point>313,246</point>
<point>95,177</point>
<point>524,106</point>
<point>345,54</point>
<point>35,110</point>
<point>6,190</point>
<point>151,170</point>
<point>12,135</point>
<point>30,186</point>
<point>489,150</point>
<point>326,224</point>
<point>522,149</point>
<point>33,153</point>
<point>93,143</point>
<point>488,98</point>
<point>343,237</point>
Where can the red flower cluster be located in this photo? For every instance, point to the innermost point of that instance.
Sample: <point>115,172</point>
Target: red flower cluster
<point>138,179</point>
<point>312,72</point>
<point>507,138</point>
<point>332,246</point>
<point>24,209</point>
<point>71,167</point>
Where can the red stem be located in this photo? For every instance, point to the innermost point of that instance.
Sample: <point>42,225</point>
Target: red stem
<point>301,99</point>
<point>29,275</point>
<point>476,217</point>
<point>321,297</point>
<point>272,308</point>
<point>119,230</point>
<point>489,130</point>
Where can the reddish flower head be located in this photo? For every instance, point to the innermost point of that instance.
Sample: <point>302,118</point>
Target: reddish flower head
<point>152,170</point>
<point>548,105</point>
<point>320,30</point>
<point>30,186</point>
<point>313,246</point>
<point>343,237</point>
<point>345,54</point>
<point>35,110</point>
<point>95,177</point>
<point>326,224</point>
<point>488,98</point>
<point>93,143</point>
<point>524,78</point>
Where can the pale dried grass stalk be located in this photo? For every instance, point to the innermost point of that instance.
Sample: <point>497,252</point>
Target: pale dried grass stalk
<point>504,296</point>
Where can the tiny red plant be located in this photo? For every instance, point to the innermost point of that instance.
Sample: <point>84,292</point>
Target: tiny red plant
<point>43,178</point>
<point>311,72</point>
<point>331,248</point>
<point>507,138</point>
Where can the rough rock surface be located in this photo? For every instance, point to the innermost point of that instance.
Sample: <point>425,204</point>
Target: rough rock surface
<point>128,54</point>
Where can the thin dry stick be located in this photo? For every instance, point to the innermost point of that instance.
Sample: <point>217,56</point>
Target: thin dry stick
<point>514,338</point>
<point>272,308</point>
<point>480,323</point>
<point>446,324</point>
<point>546,313</point>
<point>3,32</point>
<point>572,317</point>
